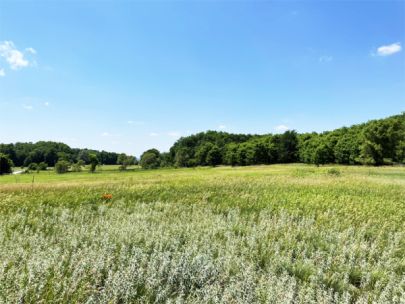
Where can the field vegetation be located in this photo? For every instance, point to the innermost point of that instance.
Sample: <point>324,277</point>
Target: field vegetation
<point>376,142</point>
<point>261,234</point>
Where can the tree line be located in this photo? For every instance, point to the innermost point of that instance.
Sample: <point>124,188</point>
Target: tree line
<point>376,142</point>
<point>23,154</point>
<point>44,154</point>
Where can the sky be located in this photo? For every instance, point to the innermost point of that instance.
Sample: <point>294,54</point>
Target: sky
<point>126,76</point>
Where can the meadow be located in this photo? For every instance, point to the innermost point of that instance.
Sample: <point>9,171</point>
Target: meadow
<point>261,234</point>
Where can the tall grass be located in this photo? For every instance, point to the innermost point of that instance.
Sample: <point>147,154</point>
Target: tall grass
<point>267,234</point>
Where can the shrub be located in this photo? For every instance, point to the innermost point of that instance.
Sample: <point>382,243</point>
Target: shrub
<point>62,166</point>
<point>33,166</point>
<point>42,166</point>
<point>76,167</point>
<point>124,161</point>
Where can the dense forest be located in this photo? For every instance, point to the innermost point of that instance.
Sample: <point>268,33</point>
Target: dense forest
<point>376,142</point>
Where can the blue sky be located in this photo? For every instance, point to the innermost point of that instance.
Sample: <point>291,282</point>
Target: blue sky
<point>126,75</point>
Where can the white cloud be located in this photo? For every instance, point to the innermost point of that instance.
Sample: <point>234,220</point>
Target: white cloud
<point>153,134</point>
<point>14,57</point>
<point>174,134</point>
<point>386,50</point>
<point>2,73</point>
<point>281,128</point>
<point>324,59</point>
<point>31,50</point>
<point>221,127</point>
<point>27,107</point>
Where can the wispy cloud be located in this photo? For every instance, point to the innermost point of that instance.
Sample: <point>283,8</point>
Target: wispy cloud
<point>325,59</point>
<point>27,107</point>
<point>13,56</point>
<point>105,134</point>
<point>31,50</point>
<point>390,49</point>
<point>281,128</point>
<point>2,73</point>
<point>153,134</point>
<point>46,104</point>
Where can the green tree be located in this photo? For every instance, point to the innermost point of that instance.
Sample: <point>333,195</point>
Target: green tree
<point>182,158</point>
<point>93,159</point>
<point>6,164</point>
<point>321,154</point>
<point>42,166</point>
<point>347,149</point>
<point>150,159</point>
<point>62,166</point>
<point>214,156</point>
<point>400,151</point>
<point>371,153</point>
<point>202,153</point>
<point>166,160</point>
<point>125,160</point>
<point>231,154</point>
<point>288,147</point>
<point>77,167</point>
<point>33,167</point>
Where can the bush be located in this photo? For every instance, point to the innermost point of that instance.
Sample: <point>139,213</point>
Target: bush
<point>76,167</point>
<point>33,166</point>
<point>62,166</point>
<point>124,161</point>
<point>42,166</point>
<point>5,164</point>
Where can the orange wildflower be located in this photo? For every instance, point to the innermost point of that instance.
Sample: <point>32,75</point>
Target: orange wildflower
<point>107,196</point>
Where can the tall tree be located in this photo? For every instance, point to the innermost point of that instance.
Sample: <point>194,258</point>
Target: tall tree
<point>5,164</point>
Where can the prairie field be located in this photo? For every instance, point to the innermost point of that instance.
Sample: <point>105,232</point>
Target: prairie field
<point>261,234</point>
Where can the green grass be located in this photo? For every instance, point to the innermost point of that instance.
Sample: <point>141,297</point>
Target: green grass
<point>264,234</point>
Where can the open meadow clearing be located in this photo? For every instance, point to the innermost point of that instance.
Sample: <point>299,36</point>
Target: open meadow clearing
<point>210,151</point>
<point>264,234</point>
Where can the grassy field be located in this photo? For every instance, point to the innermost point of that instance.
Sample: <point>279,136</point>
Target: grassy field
<point>264,234</point>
